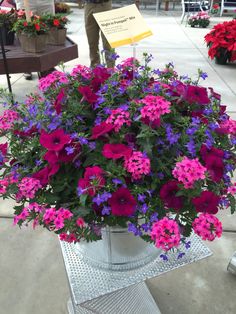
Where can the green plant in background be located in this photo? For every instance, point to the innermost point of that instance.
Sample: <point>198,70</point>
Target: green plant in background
<point>200,19</point>
<point>32,28</point>
<point>55,20</point>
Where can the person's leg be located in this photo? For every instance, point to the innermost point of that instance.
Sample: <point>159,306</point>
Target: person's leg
<point>92,31</point>
<point>106,6</point>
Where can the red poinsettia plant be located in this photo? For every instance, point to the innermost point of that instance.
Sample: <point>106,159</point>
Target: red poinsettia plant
<point>139,148</point>
<point>222,39</point>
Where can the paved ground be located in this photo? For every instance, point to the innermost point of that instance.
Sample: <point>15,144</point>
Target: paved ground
<point>32,275</point>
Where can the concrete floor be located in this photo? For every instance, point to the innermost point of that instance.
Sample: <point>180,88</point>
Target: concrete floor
<point>32,275</point>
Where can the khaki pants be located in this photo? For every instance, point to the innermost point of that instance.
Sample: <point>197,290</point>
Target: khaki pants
<point>38,6</point>
<point>93,32</point>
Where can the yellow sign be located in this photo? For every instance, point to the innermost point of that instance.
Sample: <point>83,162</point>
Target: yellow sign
<point>123,26</point>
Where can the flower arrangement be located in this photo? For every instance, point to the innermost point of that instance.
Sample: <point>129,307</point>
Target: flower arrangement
<point>215,8</point>
<point>58,21</point>
<point>61,7</point>
<point>32,28</point>
<point>222,39</point>
<point>140,148</point>
<point>8,18</point>
<point>199,19</point>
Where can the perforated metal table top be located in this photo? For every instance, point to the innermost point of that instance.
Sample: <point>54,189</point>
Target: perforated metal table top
<point>87,282</point>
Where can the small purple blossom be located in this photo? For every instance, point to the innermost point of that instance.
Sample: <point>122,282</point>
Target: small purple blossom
<point>180,255</point>
<point>141,198</point>
<point>188,245</point>
<point>83,140</point>
<point>92,145</point>
<point>164,257</point>
<point>38,162</point>
<point>203,75</point>
<point>144,208</point>
<point>117,181</point>
<point>154,217</point>
<point>69,150</point>
<point>106,210</point>
<point>77,163</point>
<point>80,191</point>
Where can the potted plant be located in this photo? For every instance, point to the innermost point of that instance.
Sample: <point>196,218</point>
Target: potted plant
<point>221,41</point>
<point>102,149</point>
<point>57,28</point>
<point>32,34</point>
<point>199,19</point>
<point>7,19</point>
<point>62,7</point>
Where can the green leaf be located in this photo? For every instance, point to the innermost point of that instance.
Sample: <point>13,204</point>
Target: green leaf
<point>83,199</point>
<point>232,203</point>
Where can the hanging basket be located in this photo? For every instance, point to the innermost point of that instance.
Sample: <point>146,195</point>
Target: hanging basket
<point>8,36</point>
<point>33,44</point>
<point>57,36</point>
<point>223,56</point>
<point>119,250</point>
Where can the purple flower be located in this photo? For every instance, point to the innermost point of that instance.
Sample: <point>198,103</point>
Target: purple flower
<point>98,199</point>
<point>203,75</point>
<point>154,217</point>
<point>106,210</point>
<point>164,257</point>
<point>171,137</point>
<point>69,150</point>
<point>80,191</point>
<point>180,255</point>
<point>83,140</point>
<point>144,208</point>
<point>157,71</point>
<point>141,198</point>
<point>92,145</point>
<point>74,135</point>
<point>77,163</point>
<point>107,110</point>
<point>38,162</point>
<point>117,181</point>
<point>98,120</point>
<point>191,147</point>
<point>188,244</point>
<point>146,227</point>
<point>160,175</point>
<point>190,131</point>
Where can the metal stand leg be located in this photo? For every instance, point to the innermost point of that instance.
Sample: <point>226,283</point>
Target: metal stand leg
<point>134,299</point>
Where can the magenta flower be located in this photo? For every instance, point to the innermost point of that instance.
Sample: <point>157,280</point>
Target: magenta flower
<point>101,130</point>
<point>88,94</point>
<point>168,195</point>
<point>196,94</point>
<point>138,165</point>
<point>93,180</point>
<point>116,151</point>
<point>207,226</point>
<point>122,202</point>
<point>165,233</point>
<point>44,174</point>
<point>55,140</point>
<point>207,202</point>
<point>118,118</point>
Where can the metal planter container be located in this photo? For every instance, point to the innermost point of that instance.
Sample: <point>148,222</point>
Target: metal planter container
<point>57,36</point>
<point>232,264</point>
<point>119,250</point>
<point>33,44</point>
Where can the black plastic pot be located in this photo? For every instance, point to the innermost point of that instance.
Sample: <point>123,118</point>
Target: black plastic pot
<point>223,56</point>
<point>7,36</point>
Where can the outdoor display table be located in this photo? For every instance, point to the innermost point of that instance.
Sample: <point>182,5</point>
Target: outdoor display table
<point>100,291</point>
<point>19,61</point>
